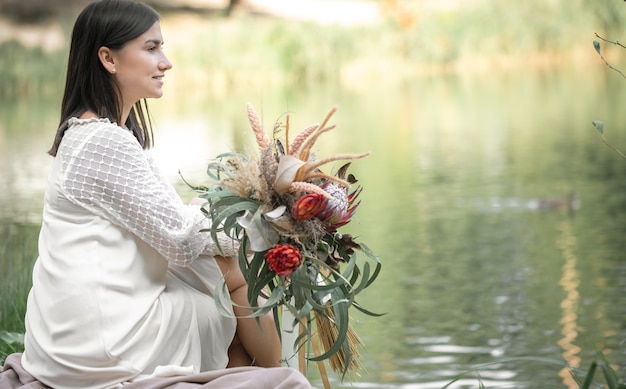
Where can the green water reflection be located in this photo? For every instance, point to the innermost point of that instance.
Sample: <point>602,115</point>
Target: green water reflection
<point>477,266</point>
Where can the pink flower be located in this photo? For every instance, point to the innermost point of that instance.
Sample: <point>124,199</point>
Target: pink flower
<point>284,259</point>
<point>340,209</point>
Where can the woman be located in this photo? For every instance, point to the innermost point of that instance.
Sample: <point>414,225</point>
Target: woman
<point>122,289</point>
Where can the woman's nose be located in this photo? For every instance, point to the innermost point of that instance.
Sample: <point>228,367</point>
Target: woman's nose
<point>165,63</point>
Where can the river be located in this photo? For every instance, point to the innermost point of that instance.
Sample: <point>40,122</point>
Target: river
<point>497,211</point>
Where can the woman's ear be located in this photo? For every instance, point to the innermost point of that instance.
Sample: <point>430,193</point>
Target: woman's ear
<point>107,59</point>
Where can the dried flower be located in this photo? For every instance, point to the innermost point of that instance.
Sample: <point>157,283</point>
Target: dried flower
<point>340,208</point>
<point>308,206</point>
<point>284,259</point>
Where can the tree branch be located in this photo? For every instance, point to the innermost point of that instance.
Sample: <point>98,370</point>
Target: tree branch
<point>608,41</point>
<point>596,45</point>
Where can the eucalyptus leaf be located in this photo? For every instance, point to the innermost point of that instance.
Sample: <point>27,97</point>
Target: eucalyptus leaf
<point>219,194</point>
<point>196,188</point>
<point>222,299</point>
<point>370,254</point>
<point>364,279</point>
<point>238,207</point>
<point>242,258</point>
<point>254,268</point>
<point>341,322</point>
<point>314,301</point>
<point>365,311</point>
<point>306,283</point>
<point>262,281</point>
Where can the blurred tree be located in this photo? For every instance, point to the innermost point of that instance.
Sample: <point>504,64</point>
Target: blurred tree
<point>33,11</point>
<point>609,14</point>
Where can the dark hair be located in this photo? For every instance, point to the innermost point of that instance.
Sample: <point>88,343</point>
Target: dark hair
<point>88,85</point>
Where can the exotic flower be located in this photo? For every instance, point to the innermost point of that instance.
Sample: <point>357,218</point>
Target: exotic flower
<point>340,208</point>
<point>308,206</point>
<point>284,259</point>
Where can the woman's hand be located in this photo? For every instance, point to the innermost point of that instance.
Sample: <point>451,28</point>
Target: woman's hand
<point>252,344</point>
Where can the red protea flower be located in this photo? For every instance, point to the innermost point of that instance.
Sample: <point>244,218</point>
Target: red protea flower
<point>284,259</point>
<point>308,206</point>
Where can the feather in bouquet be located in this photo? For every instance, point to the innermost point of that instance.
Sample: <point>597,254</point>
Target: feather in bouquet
<point>286,212</point>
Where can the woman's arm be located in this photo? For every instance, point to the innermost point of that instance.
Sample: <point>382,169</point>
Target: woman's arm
<point>109,174</point>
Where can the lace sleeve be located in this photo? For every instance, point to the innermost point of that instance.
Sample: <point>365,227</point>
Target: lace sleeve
<point>229,247</point>
<point>107,172</point>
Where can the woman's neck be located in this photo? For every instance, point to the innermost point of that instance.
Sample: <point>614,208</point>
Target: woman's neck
<point>90,114</point>
<point>87,115</point>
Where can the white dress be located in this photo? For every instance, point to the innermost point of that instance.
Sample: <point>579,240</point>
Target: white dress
<point>123,286</point>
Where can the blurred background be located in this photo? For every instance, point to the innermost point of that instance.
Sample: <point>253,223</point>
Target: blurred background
<point>497,211</point>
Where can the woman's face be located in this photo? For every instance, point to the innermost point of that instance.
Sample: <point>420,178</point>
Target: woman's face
<point>140,67</point>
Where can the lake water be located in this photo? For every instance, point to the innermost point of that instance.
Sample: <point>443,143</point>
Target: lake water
<point>487,259</point>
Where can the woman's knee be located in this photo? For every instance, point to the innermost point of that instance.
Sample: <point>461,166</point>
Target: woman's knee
<point>231,272</point>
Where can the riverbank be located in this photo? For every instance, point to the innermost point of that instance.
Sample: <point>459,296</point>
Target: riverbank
<point>39,23</point>
<point>320,11</point>
<point>382,42</point>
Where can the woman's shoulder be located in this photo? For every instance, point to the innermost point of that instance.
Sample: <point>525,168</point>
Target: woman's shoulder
<point>96,128</point>
<point>92,122</point>
<point>73,121</point>
<point>97,134</point>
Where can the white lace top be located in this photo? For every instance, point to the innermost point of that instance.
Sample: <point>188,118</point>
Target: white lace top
<point>124,282</point>
<point>106,171</point>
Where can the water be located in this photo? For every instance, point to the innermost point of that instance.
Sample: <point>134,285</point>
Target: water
<point>487,262</point>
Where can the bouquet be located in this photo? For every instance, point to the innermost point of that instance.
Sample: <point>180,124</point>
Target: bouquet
<point>285,213</point>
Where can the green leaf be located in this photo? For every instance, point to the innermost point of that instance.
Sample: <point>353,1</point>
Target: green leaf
<point>12,337</point>
<point>366,311</point>
<point>257,287</point>
<point>222,299</point>
<point>589,378</point>
<point>599,126</point>
<point>226,212</point>
<point>596,45</point>
<point>195,188</point>
<point>223,302</point>
<point>305,282</point>
<point>609,375</point>
<point>364,278</point>
<point>238,207</point>
<point>242,257</point>
<point>218,167</point>
<point>372,255</point>
<point>252,274</point>
<point>314,301</point>
<point>218,194</point>
<point>341,321</point>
